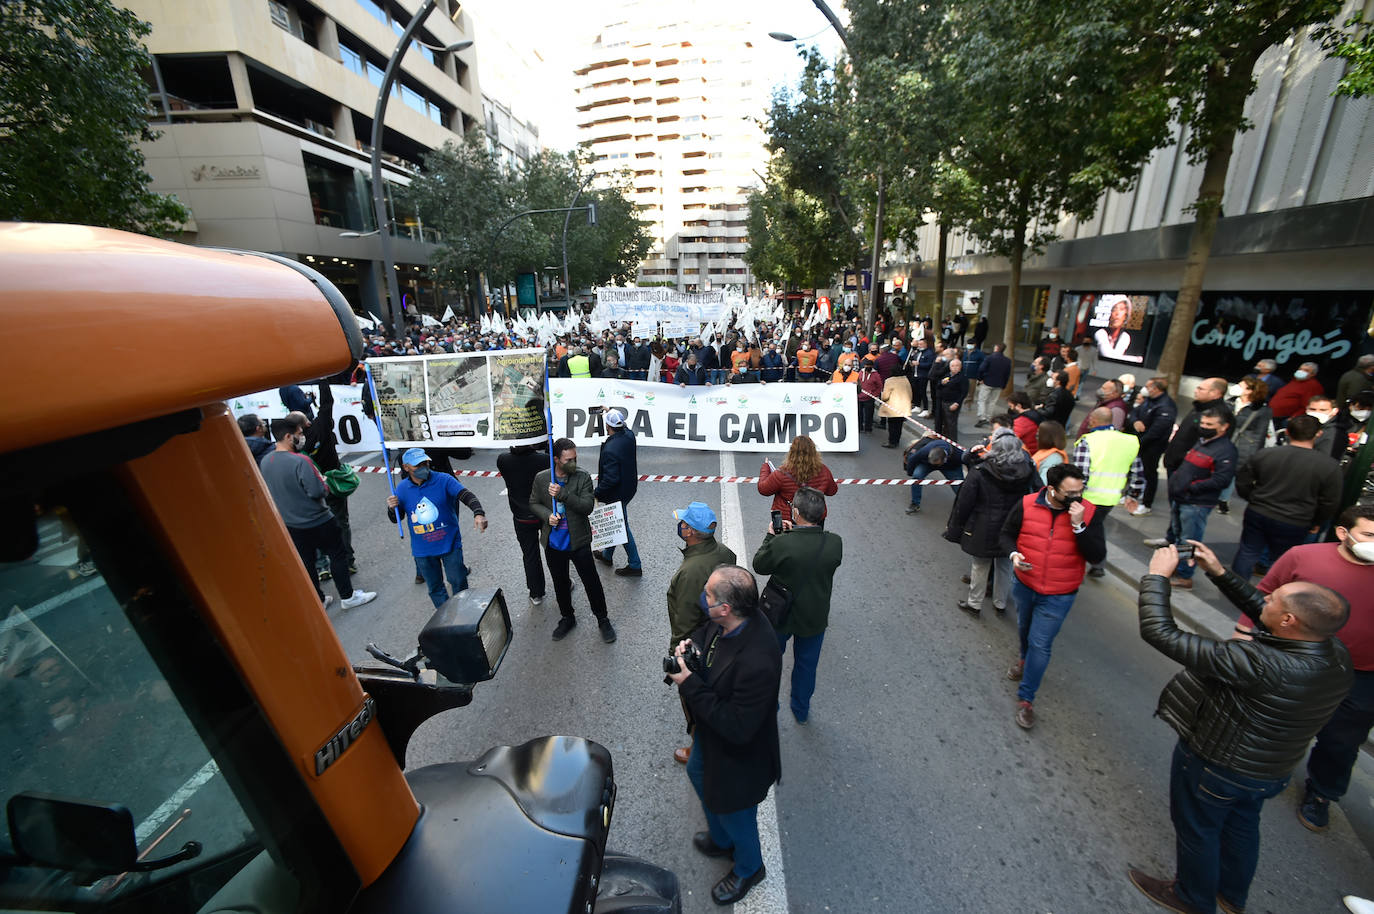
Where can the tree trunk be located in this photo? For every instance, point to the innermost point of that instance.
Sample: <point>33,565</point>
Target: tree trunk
<point>941,264</point>
<point>1018,254</point>
<point>1208,208</point>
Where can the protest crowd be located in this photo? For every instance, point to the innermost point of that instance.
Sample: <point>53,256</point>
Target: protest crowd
<point>1031,514</point>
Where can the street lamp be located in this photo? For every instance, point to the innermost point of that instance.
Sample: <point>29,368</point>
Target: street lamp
<point>393,67</point>
<point>871,306</point>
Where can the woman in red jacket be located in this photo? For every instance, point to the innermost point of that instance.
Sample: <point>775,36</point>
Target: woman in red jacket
<point>803,467</point>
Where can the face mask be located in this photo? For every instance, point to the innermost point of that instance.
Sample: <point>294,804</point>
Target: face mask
<point>1069,499</point>
<point>569,468</point>
<point>1206,433</point>
<point>849,349</point>
<point>1360,415</point>
<point>1362,551</point>
<point>1321,417</point>
<point>420,474</point>
<point>1300,376</point>
<point>1235,390</point>
<point>681,531</point>
<point>298,441</point>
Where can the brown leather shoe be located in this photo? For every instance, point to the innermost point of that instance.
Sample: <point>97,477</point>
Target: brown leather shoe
<point>1015,671</point>
<point>683,754</point>
<point>1181,583</point>
<point>1161,892</point>
<point>1227,907</point>
<point>1025,715</point>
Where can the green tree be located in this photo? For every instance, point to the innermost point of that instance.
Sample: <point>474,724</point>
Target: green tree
<point>1355,45</point>
<point>73,105</point>
<point>792,237</point>
<point>1202,58</point>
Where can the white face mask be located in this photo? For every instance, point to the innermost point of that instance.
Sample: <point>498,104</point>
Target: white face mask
<point>1362,551</point>
<point>1360,415</point>
<point>1300,376</point>
<point>1235,390</point>
<point>1320,416</point>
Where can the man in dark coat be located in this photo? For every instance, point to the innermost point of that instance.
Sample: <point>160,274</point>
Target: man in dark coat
<point>919,364</point>
<point>732,699</point>
<point>1245,712</point>
<point>991,489</point>
<point>1153,421</point>
<point>617,480</point>
<point>950,393</point>
<point>996,374</point>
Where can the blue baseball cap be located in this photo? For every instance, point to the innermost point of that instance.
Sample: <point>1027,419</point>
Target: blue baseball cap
<point>698,515</point>
<point>414,457</point>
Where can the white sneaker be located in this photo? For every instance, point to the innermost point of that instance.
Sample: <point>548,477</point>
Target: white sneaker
<point>535,601</point>
<point>1359,905</point>
<point>1141,511</point>
<point>1158,542</point>
<point>358,599</point>
<point>328,600</point>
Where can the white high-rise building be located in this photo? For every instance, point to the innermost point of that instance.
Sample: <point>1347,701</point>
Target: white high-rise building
<point>672,92</point>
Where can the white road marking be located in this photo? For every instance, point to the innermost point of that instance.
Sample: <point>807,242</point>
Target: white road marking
<point>48,605</point>
<point>769,896</point>
<point>173,804</point>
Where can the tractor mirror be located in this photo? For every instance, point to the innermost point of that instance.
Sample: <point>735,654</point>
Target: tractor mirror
<point>71,835</point>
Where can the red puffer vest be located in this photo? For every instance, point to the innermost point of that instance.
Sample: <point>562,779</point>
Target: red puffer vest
<point>1047,541</point>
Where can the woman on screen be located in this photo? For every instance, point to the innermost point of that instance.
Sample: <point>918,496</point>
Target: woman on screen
<point>1112,340</point>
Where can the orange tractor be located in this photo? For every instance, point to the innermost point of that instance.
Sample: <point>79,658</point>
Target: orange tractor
<point>184,731</point>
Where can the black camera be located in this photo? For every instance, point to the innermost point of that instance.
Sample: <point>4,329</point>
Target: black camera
<point>691,657</point>
<point>1185,552</point>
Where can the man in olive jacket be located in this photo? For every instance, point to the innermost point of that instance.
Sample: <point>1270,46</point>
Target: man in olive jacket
<point>696,526</point>
<point>732,698</point>
<point>571,490</point>
<point>804,559</point>
<point>1245,711</point>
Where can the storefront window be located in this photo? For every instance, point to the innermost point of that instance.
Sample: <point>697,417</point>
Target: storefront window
<point>338,195</point>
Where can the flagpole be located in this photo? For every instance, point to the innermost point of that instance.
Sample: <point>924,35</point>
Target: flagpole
<point>548,426</point>
<point>386,457</point>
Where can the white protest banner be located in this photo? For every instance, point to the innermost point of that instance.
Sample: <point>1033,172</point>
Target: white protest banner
<point>663,306</point>
<point>353,431</point>
<point>471,399</point>
<point>737,417</point>
<point>608,526</point>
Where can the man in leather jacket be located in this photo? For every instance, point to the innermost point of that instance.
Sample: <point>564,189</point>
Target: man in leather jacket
<point>1245,711</point>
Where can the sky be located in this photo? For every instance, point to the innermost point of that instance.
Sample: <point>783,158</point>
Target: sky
<point>552,37</point>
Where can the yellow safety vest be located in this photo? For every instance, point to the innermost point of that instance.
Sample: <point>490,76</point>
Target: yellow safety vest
<point>1110,454</point>
<point>579,366</point>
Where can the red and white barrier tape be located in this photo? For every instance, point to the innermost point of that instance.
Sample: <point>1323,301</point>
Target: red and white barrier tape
<point>491,474</point>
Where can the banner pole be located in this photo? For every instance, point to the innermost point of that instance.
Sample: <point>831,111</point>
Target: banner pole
<point>386,456</point>
<point>548,425</point>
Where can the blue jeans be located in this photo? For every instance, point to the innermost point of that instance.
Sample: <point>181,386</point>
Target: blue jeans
<point>434,567</point>
<point>1338,743</point>
<point>1216,815</point>
<point>738,830</point>
<point>1262,535</point>
<point>631,550</point>
<point>806,656</point>
<point>924,469</point>
<point>1187,522</point>
<point>715,375</point>
<point>1039,617</point>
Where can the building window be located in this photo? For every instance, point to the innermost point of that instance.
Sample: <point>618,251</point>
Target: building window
<point>375,9</point>
<point>281,14</point>
<point>353,60</point>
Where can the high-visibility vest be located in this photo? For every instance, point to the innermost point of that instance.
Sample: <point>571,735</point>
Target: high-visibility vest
<point>579,366</point>
<point>806,360</point>
<point>1110,454</point>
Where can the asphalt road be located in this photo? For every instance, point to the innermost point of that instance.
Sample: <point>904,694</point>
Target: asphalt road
<point>911,789</point>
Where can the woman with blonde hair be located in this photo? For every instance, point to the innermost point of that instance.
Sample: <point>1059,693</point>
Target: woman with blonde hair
<point>803,467</point>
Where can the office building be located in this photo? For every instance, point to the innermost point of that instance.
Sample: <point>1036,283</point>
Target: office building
<point>265,112</point>
<point>672,94</point>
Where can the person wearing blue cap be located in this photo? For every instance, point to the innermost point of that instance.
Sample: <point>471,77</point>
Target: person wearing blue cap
<point>696,527</point>
<point>428,499</point>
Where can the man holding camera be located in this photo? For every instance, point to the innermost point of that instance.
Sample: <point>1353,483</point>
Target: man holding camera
<point>804,559</point>
<point>730,689</point>
<point>702,554</point>
<point>1245,711</point>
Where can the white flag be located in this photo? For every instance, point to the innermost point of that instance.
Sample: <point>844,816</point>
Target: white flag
<point>448,313</point>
